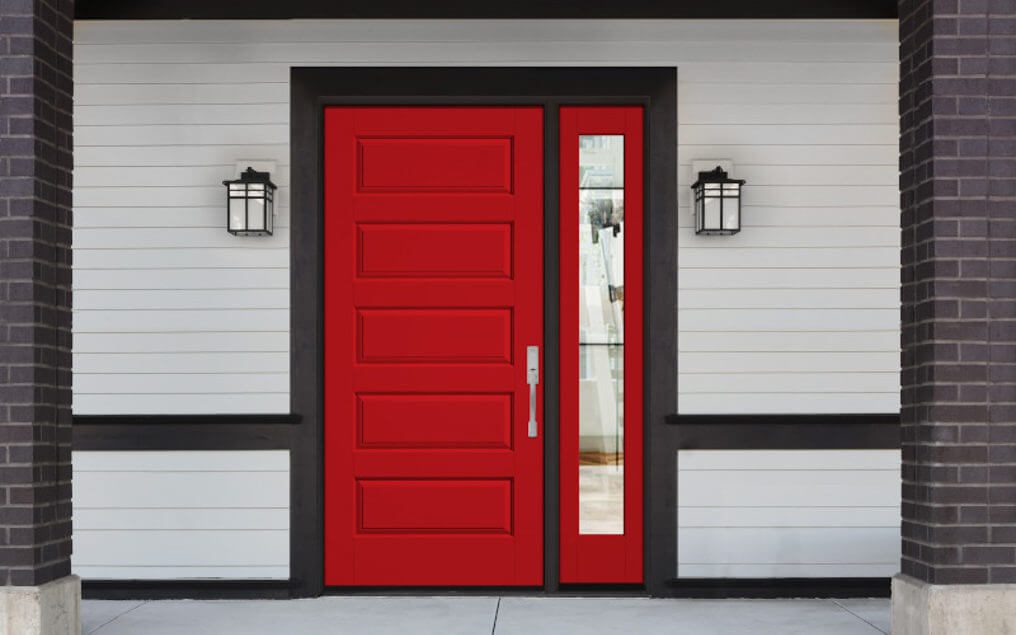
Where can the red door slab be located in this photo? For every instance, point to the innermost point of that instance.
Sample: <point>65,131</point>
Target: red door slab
<point>433,292</point>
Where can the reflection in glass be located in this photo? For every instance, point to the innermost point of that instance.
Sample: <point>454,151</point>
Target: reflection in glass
<point>601,334</point>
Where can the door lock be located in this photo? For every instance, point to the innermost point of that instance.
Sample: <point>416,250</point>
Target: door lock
<point>532,378</point>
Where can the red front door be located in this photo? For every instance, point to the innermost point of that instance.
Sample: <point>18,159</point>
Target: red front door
<point>433,293</point>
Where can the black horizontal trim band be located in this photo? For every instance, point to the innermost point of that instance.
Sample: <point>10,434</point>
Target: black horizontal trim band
<point>787,432</point>
<point>450,9</point>
<point>149,419</point>
<point>184,432</point>
<point>761,588</point>
<point>272,431</point>
<point>184,589</point>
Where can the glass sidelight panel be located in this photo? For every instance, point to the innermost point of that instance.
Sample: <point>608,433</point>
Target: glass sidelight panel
<point>601,334</point>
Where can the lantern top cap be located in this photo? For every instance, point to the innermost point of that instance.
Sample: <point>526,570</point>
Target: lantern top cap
<point>250,175</point>
<point>716,175</point>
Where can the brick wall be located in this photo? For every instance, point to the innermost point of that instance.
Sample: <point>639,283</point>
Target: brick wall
<point>35,290</point>
<point>958,182</point>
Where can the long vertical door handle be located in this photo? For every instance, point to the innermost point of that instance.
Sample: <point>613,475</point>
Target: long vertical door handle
<point>532,378</point>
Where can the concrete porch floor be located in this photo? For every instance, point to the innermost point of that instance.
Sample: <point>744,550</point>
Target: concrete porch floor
<point>487,615</point>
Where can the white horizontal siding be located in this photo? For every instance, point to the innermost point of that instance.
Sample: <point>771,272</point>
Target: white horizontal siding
<point>788,513</point>
<point>176,515</point>
<point>178,403</point>
<point>798,313</point>
<point>730,400</point>
<point>127,343</point>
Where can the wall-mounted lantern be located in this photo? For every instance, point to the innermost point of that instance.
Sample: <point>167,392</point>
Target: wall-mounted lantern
<point>250,204</point>
<point>717,203</point>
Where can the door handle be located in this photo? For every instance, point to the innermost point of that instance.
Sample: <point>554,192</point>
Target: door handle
<point>532,378</point>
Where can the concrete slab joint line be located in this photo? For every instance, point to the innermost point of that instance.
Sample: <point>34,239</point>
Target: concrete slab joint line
<point>920,608</point>
<point>53,608</point>
<point>477,615</point>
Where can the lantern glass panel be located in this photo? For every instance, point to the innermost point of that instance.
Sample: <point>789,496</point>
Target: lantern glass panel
<point>255,207</point>
<point>732,214</point>
<point>698,211</point>
<point>732,207</point>
<point>237,213</point>
<point>712,207</point>
<point>255,213</point>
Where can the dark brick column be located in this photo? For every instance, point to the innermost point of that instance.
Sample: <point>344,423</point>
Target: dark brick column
<point>958,182</point>
<point>35,290</point>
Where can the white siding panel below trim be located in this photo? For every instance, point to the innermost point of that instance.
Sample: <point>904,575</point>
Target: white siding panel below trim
<point>777,570</point>
<point>811,545</point>
<point>173,572</point>
<point>734,460</point>
<point>163,461</point>
<point>788,513</point>
<point>806,110</point>
<point>177,547</point>
<point>181,515</point>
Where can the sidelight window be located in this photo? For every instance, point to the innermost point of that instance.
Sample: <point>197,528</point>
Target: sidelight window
<point>601,344</point>
<point>601,334</point>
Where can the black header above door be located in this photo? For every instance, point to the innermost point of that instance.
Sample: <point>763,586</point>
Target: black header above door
<point>471,9</point>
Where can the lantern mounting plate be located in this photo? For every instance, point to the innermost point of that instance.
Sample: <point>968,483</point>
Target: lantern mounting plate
<point>250,175</point>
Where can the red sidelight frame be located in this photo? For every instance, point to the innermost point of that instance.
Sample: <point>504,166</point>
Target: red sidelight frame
<point>588,558</point>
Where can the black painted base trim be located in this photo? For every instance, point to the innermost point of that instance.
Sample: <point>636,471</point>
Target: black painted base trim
<point>787,432</point>
<point>280,589</point>
<point>185,589</point>
<point>762,588</point>
<point>715,588</point>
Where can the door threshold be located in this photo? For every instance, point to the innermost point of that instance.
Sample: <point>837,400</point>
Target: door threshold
<point>570,590</point>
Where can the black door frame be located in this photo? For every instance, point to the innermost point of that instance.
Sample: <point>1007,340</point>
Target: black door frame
<point>654,88</point>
